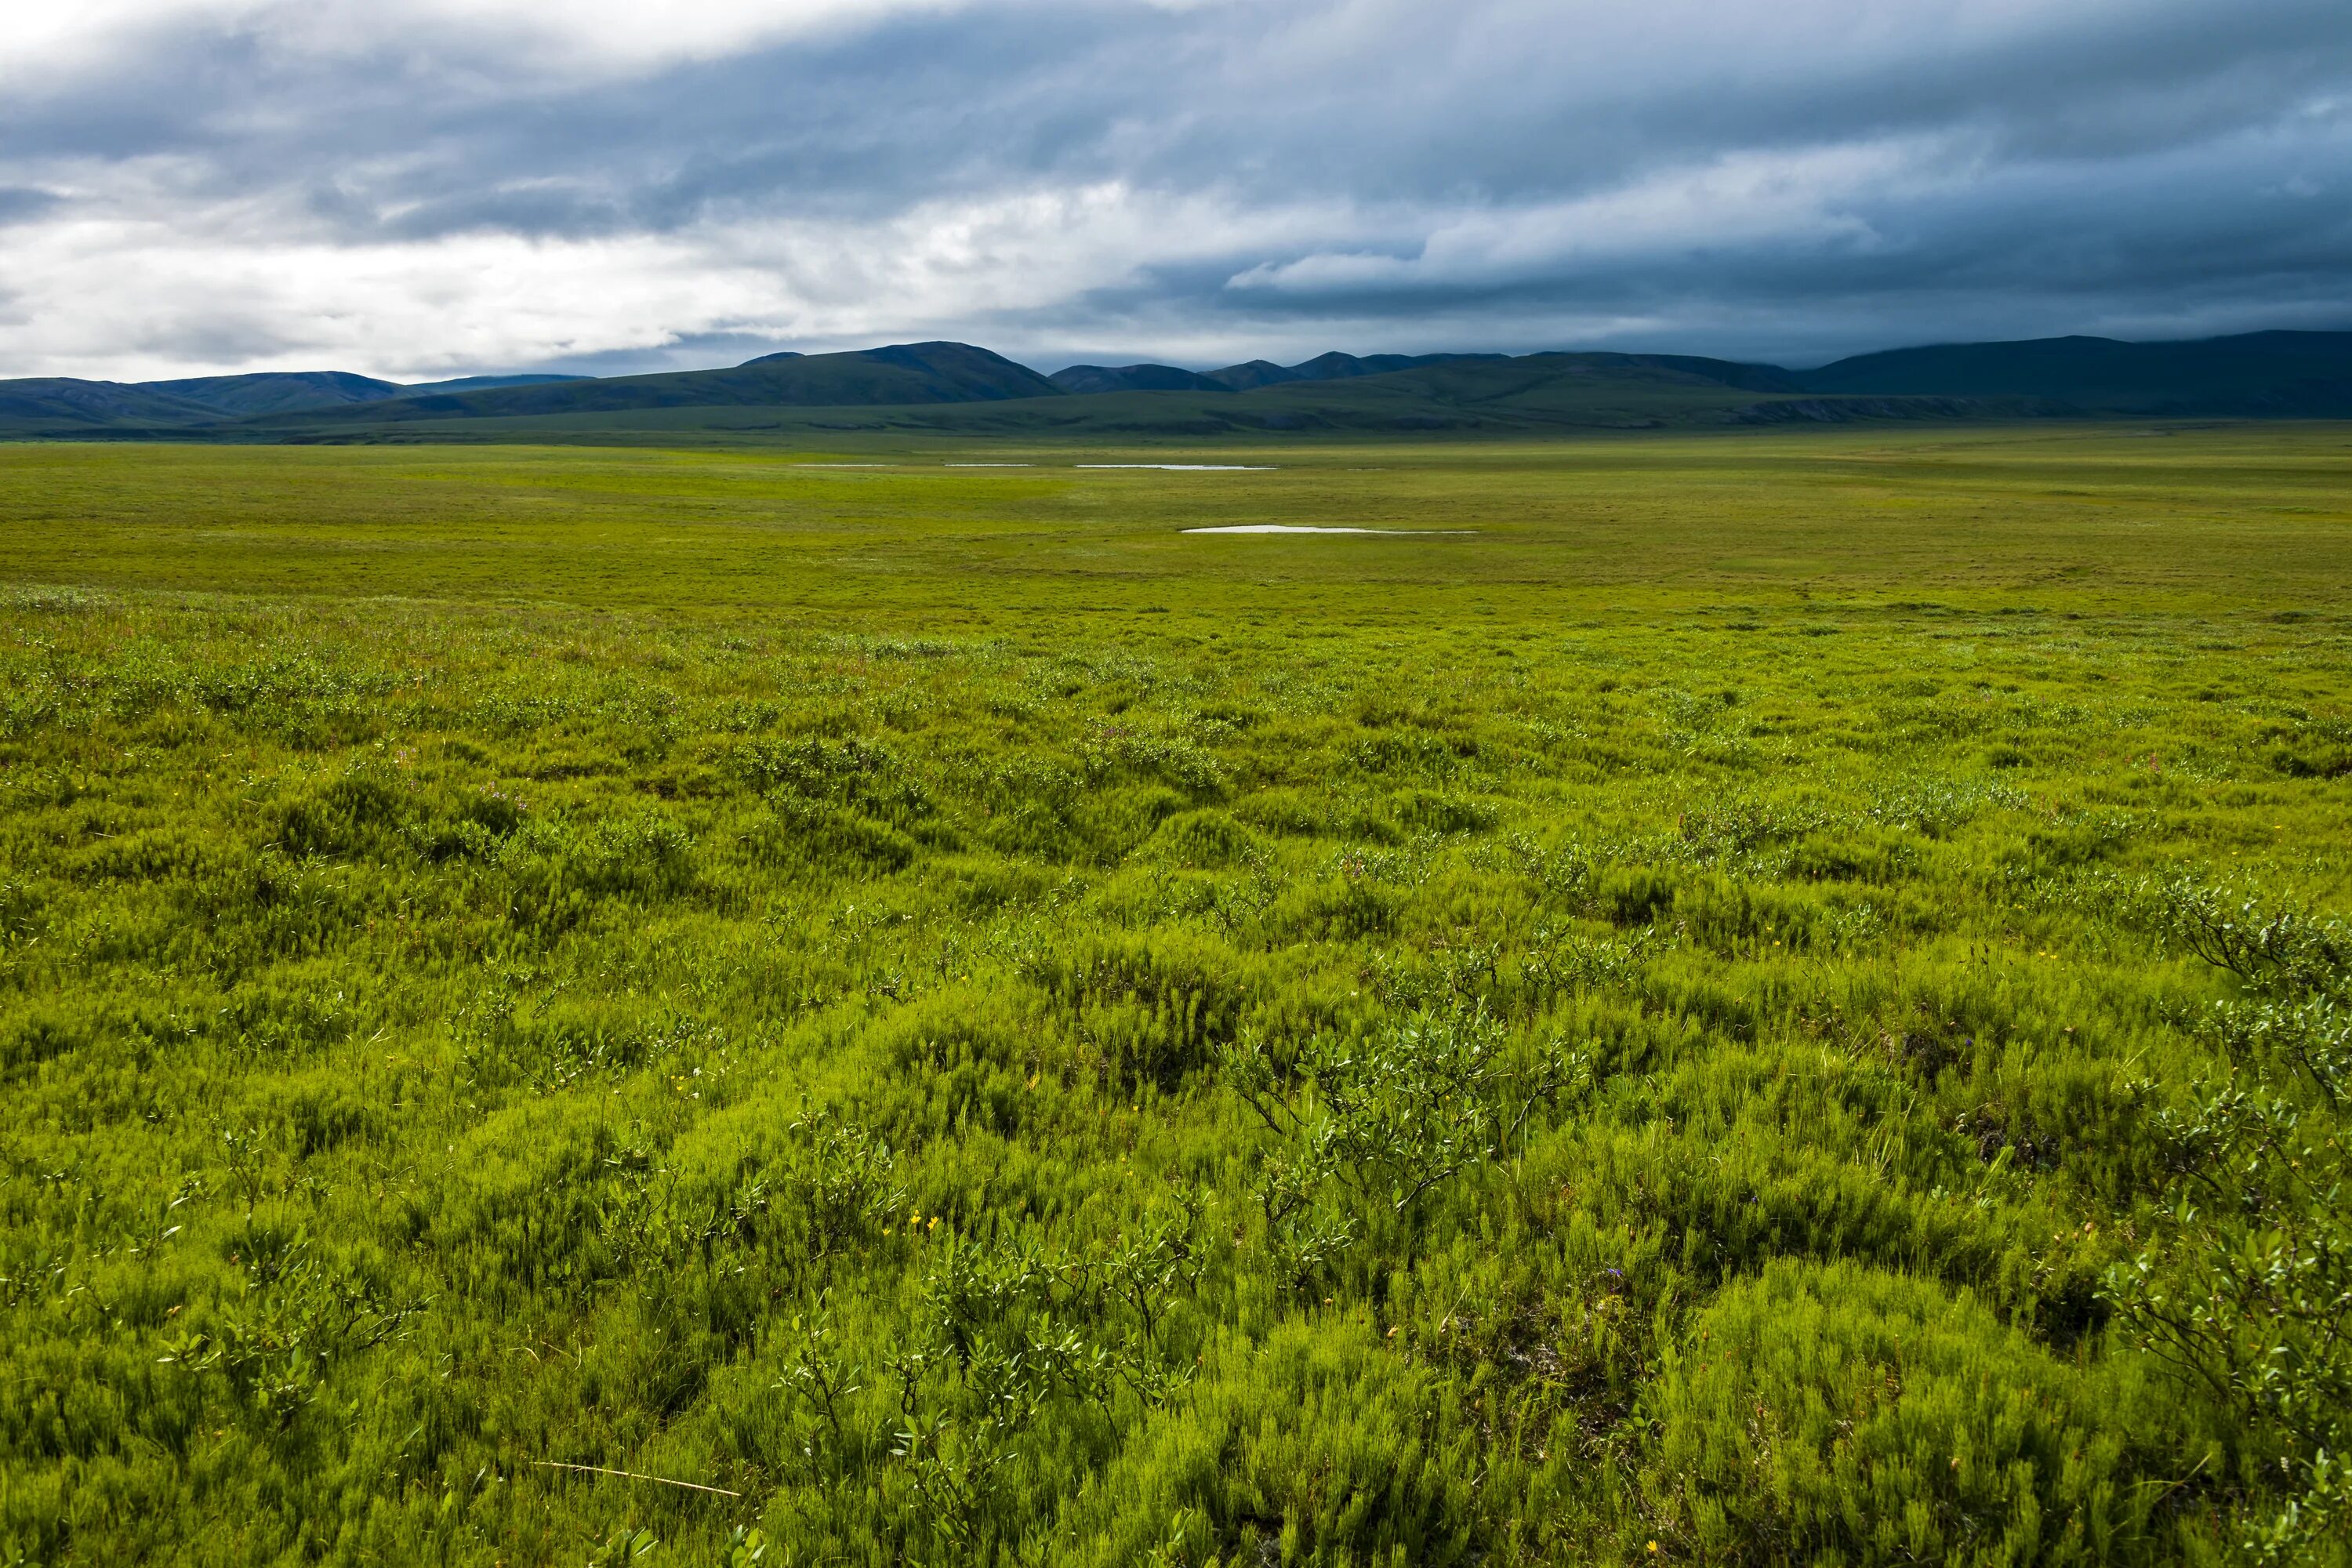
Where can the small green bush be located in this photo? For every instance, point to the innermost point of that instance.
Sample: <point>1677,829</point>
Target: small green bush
<point>1835,1414</point>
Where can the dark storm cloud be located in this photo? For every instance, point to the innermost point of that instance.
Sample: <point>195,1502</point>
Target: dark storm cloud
<point>1273,101</point>
<point>1808,178</point>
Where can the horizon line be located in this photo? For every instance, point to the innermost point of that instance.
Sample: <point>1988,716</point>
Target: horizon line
<point>1107,364</point>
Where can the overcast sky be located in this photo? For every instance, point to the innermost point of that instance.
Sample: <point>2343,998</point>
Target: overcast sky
<point>416,188</point>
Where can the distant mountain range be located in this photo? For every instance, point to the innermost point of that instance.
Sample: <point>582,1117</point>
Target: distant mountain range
<point>210,399</point>
<point>955,388</point>
<point>1258,373</point>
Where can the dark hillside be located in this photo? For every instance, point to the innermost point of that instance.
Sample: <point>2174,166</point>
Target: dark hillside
<point>1343,367</point>
<point>63,403</point>
<point>1730,372</point>
<point>2258,374</point>
<point>956,388</point>
<point>903,373</point>
<point>1533,392</point>
<point>1334,366</point>
<point>1537,393</point>
<point>1090,378</point>
<point>275,392</point>
<point>1255,373</point>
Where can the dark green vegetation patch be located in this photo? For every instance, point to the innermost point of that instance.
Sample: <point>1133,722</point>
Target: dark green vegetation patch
<point>1777,1002</point>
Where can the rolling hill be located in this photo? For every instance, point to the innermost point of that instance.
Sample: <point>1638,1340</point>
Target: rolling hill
<point>956,389</point>
<point>953,389</point>
<point>1249,377</point>
<point>901,373</point>
<point>1466,394</point>
<point>1334,366</point>
<point>60,404</point>
<point>65,405</point>
<point>2256,373</point>
<point>281,391</point>
<point>1091,378</point>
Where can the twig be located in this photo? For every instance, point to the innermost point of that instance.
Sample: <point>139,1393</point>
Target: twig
<point>633,1476</point>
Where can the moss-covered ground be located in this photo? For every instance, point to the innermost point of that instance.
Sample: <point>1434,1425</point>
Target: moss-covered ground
<point>1779,999</point>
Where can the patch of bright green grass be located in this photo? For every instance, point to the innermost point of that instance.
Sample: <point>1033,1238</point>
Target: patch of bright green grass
<point>1776,1003</point>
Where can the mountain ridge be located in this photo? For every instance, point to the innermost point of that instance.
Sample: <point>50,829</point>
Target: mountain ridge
<point>2259,374</point>
<point>2280,372</point>
<point>200,399</point>
<point>892,374</point>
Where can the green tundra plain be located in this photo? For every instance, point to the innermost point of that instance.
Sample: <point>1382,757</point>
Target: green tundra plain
<point>1755,998</point>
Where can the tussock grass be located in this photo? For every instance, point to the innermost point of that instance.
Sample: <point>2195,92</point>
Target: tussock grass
<point>983,1031</point>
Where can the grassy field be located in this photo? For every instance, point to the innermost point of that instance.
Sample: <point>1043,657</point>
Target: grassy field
<point>1781,999</point>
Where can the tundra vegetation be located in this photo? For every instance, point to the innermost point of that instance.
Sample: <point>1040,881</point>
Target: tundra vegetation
<point>1782,1000</point>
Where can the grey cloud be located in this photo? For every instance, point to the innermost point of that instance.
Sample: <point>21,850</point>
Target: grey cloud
<point>1235,97</point>
<point>19,203</point>
<point>2049,168</point>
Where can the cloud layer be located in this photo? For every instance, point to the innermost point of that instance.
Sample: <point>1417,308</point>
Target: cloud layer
<point>420,187</point>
